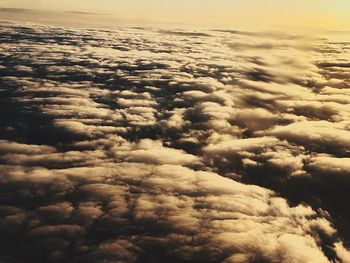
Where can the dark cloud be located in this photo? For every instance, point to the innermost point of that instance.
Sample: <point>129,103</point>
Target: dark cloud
<point>7,9</point>
<point>136,144</point>
<point>185,33</point>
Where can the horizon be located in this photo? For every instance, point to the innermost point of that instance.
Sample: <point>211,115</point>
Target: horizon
<point>223,14</point>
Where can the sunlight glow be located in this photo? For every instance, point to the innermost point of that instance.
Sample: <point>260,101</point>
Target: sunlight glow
<point>252,13</point>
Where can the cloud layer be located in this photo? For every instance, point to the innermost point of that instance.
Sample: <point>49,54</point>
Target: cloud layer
<point>147,145</point>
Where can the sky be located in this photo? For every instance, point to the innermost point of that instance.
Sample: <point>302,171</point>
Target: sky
<point>252,13</point>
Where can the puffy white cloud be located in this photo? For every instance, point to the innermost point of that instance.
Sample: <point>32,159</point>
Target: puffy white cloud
<point>153,152</point>
<point>330,164</point>
<point>8,147</point>
<point>333,136</point>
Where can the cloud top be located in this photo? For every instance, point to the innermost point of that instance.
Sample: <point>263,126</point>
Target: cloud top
<point>136,145</point>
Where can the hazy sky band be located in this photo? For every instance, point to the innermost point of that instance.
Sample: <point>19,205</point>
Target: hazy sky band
<point>311,13</point>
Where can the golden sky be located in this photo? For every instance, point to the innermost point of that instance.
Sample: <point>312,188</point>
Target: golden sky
<point>250,13</point>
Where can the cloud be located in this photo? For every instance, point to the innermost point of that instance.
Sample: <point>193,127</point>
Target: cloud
<point>13,147</point>
<point>153,152</point>
<point>330,164</point>
<point>200,213</point>
<point>135,144</point>
<point>332,137</point>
